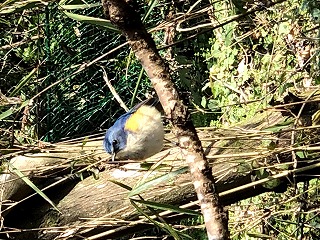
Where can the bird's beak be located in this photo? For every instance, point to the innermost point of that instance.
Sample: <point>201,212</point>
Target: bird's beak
<point>113,156</point>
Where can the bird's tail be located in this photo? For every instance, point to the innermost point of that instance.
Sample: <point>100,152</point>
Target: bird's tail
<point>151,101</point>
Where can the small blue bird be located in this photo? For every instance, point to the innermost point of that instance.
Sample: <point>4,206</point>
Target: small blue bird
<point>137,134</point>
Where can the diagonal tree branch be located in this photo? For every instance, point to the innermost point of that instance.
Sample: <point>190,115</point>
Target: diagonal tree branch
<point>128,21</point>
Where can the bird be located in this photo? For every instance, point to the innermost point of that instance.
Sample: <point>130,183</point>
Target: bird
<point>137,134</point>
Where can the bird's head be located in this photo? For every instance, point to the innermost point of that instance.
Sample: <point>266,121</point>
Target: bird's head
<point>115,140</point>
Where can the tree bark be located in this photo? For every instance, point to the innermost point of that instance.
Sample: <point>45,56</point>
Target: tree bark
<point>128,21</point>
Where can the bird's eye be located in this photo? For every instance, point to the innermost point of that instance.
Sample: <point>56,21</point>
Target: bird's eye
<point>114,142</point>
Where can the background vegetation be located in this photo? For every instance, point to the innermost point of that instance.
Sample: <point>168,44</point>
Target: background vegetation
<point>230,59</point>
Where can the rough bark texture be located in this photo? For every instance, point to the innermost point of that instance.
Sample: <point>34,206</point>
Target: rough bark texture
<point>128,21</point>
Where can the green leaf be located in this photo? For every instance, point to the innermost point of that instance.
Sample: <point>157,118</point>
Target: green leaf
<point>148,166</point>
<point>280,126</point>
<point>168,207</point>
<point>272,145</point>
<point>156,181</point>
<point>13,110</point>
<point>271,184</point>
<point>152,5</point>
<point>24,81</point>
<point>79,6</point>
<point>84,141</point>
<point>7,113</point>
<point>284,28</point>
<point>19,6</point>
<point>213,105</point>
<point>144,214</point>
<point>2,5</point>
<point>121,185</point>
<point>164,225</point>
<point>283,166</point>
<point>203,102</point>
<point>92,20</point>
<point>301,154</point>
<point>31,184</point>
<point>259,235</point>
<point>3,21</point>
<point>262,173</point>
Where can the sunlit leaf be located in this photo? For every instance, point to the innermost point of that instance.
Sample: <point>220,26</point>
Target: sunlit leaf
<point>5,3</point>
<point>92,20</point>
<point>301,154</point>
<point>79,6</point>
<point>13,110</point>
<point>19,6</point>
<point>168,207</point>
<point>156,181</point>
<point>31,184</point>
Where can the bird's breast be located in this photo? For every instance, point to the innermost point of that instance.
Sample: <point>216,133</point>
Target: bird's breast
<point>145,134</point>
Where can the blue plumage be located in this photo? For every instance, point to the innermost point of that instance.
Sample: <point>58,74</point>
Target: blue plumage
<point>116,136</point>
<point>142,143</point>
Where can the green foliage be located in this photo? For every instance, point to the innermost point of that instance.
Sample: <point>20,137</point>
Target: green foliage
<point>75,99</point>
<point>275,215</point>
<point>196,230</point>
<point>80,102</point>
<point>253,61</point>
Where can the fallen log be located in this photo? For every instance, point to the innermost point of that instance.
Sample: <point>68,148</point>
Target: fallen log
<point>258,156</point>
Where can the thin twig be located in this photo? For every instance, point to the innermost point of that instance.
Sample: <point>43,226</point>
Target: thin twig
<point>113,91</point>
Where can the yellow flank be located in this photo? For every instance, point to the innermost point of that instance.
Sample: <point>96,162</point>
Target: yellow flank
<point>141,117</point>
<point>132,123</point>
